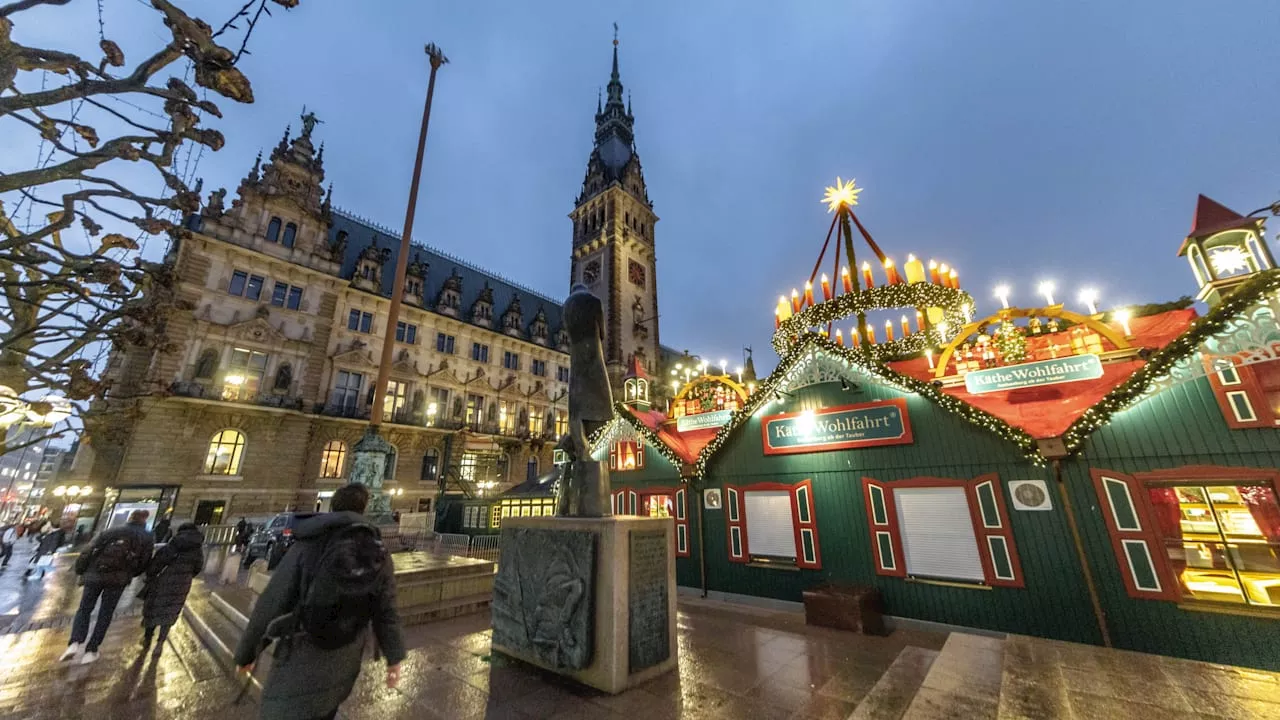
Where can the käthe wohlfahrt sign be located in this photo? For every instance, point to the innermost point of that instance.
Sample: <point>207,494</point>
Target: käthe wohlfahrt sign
<point>883,422</point>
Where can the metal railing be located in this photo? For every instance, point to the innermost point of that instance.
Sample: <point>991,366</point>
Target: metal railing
<point>219,534</point>
<point>451,544</point>
<point>484,547</point>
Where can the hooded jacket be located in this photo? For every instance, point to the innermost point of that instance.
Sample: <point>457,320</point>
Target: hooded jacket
<point>169,577</point>
<point>305,680</point>
<point>141,544</point>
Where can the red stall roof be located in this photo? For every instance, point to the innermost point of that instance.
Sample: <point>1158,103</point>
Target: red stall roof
<point>686,444</point>
<point>1048,411</point>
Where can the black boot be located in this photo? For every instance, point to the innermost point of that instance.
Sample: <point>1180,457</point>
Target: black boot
<point>146,638</point>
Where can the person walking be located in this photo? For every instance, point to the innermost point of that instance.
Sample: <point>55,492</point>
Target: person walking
<point>115,558</point>
<point>51,539</point>
<point>8,538</point>
<point>244,531</point>
<point>161,530</point>
<point>330,587</point>
<point>169,577</point>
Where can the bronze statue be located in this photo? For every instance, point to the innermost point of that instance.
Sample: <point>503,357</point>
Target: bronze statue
<point>584,483</point>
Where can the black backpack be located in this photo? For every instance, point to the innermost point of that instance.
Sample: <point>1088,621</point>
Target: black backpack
<point>344,587</point>
<point>120,555</point>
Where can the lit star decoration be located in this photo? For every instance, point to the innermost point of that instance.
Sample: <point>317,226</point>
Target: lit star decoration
<point>1229,261</point>
<point>840,195</point>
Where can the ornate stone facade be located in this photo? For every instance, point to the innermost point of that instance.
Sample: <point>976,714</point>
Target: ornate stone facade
<point>266,384</point>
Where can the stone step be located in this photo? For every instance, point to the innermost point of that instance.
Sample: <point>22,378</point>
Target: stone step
<point>894,691</point>
<point>445,609</point>
<point>1031,685</point>
<point>963,682</point>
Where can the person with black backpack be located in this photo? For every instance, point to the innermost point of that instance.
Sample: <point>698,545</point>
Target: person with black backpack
<point>116,557</point>
<point>332,585</point>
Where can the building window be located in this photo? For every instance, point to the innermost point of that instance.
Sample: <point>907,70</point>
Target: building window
<point>495,517</point>
<point>389,467</point>
<point>531,468</point>
<point>539,368</point>
<point>273,230</point>
<point>771,523</point>
<point>245,285</point>
<point>535,423</point>
<point>562,423</point>
<point>444,343</point>
<point>562,373</point>
<point>479,352</point>
<point>506,417</point>
<point>290,234</point>
<point>510,360</point>
<point>467,468</point>
<point>438,406</point>
<point>244,374</point>
<point>938,539</point>
<point>207,365</point>
<point>360,321</point>
<point>333,459</point>
<point>430,465</point>
<point>406,333</point>
<point>394,401</point>
<point>286,296</point>
<point>1222,538</point>
<point>626,455</point>
<point>475,409</point>
<point>346,390</point>
<point>225,451</point>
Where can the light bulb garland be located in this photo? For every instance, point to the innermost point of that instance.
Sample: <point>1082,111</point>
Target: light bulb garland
<point>1160,363</point>
<point>858,360</point>
<point>623,414</point>
<point>1011,342</point>
<point>884,297</point>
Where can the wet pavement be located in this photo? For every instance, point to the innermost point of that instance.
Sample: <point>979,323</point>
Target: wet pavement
<point>735,662</point>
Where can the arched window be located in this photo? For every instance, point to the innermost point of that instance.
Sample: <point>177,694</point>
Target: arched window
<point>531,470</point>
<point>207,365</point>
<point>284,379</point>
<point>504,467</point>
<point>225,451</point>
<point>333,459</point>
<point>273,230</point>
<point>430,465</point>
<point>290,233</point>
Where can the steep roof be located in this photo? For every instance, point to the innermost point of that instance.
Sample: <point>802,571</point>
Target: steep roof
<point>441,266</point>
<point>1211,218</point>
<point>1047,411</point>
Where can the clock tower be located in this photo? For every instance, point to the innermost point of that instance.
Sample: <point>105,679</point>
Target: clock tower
<point>613,248</point>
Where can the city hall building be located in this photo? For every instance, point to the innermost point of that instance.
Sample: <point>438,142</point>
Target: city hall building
<point>264,383</point>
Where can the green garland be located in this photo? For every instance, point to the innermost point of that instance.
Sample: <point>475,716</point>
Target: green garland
<point>884,297</point>
<point>622,414</point>
<point>1163,360</point>
<point>764,393</point>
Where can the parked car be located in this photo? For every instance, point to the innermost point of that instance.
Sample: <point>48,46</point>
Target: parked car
<point>272,540</point>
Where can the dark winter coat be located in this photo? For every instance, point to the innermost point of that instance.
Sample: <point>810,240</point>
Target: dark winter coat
<point>143,545</point>
<point>306,681</point>
<point>169,577</point>
<point>51,541</point>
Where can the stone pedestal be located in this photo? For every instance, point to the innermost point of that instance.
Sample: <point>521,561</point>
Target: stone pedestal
<point>593,599</point>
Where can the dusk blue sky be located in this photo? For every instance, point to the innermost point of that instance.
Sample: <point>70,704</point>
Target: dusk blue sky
<point>1018,140</point>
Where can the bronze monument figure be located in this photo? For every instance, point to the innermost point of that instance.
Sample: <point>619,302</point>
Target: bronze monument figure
<point>584,483</point>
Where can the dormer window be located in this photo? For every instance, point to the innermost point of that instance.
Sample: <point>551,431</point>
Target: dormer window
<point>482,308</point>
<point>512,319</point>
<point>449,301</point>
<point>538,329</point>
<point>626,455</point>
<point>290,235</point>
<point>636,390</point>
<point>273,230</point>
<point>562,340</point>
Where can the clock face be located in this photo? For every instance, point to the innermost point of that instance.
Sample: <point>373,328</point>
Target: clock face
<point>591,273</point>
<point>635,271</point>
<point>1030,495</point>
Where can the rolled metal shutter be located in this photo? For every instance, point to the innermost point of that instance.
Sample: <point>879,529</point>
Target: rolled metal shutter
<point>937,533</point>
<point>769,523</point>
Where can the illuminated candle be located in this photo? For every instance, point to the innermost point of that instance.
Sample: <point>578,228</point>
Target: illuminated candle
<point>1123,317</point>
<point>1046,289</point>
<point>784,307</point>
<point>933,272</point>
<point>944,275</point>
<point>871,335</point>
<point>823,332</point>
<point>919,321</point>
<point>928,354</point>
<point>777,318</point>
<point>866,275</point>
<point>1089,297</point>
<point>890,272</point>
<point>826,288</point>
<point>839,337</point>
<point>906,329</point>
<point>888,331</point>
<point>1002,292</point>
<point>845,280</point>
<point>795,301</point>
<point>955,279</point>
<point>808,293</point>
<point>854,340</point>
<point>914,269</point>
